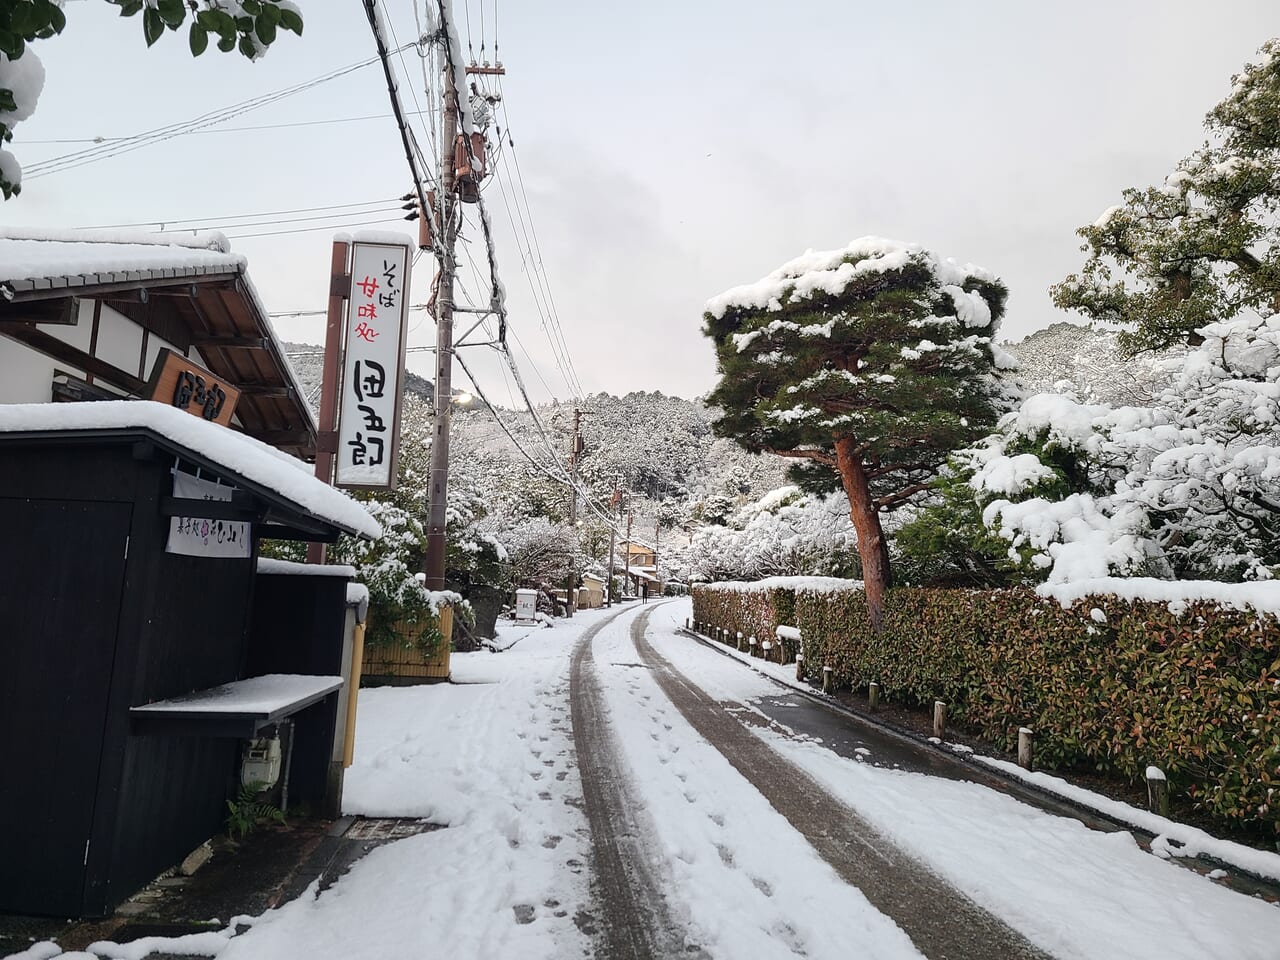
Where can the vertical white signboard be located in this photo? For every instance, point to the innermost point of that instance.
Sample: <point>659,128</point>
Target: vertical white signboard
<point>373,367</point>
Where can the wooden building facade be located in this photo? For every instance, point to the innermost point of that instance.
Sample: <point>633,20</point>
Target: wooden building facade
<point>123,655</point>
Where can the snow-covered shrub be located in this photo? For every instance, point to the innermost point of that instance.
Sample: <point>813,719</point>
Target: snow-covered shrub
<point>784,533</point>
<point>1186,488</point>
<point>401,610</point>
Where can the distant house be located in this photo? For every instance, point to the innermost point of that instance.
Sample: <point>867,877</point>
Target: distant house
<point>591,592</point>
<point>637,561</point>
<point>88,316</point>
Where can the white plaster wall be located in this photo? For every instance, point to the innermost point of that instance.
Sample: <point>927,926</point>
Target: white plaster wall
<point>25,375</point>
<point>119,341</point>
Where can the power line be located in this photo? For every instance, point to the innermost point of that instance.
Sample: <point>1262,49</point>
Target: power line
<point>258,126</point>
<point>323,226</point>
<point>79,158</point>
<point>242,216</point>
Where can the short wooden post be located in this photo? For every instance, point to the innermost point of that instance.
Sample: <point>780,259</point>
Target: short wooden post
<point>1026,739</point>
<point>873,696</point>
<point>1157,791</point>
<point>686,623</point>
<point>939,719</point>
<point>765,648</point>
<point>826,679</point>
<point>739,639</point>
<point>800,666</point>
<point>752,643</point>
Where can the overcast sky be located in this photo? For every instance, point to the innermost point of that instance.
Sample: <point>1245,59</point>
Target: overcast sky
<point>669,150</point>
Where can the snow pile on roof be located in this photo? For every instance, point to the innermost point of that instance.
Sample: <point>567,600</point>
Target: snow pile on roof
<point>830,271</point>
<point>32,253</point>
<point>248,458</point>
<point>392,238</point>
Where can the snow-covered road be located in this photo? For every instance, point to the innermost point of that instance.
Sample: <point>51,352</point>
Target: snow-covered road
<point>714,866</point>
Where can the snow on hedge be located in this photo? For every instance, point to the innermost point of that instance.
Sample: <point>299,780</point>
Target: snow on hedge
<point>813,584</point>
<point>1261,597</point>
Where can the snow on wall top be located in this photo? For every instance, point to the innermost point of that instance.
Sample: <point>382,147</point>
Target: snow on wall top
<point>256,695</point>
<point>289,568</point>
<point>830,271</point>
<point>32,253</point>
<point>249,458</point>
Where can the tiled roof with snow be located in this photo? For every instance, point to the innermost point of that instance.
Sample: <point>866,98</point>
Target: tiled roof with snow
<point>33,258</point>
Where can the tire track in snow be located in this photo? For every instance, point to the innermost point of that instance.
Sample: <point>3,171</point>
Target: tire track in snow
<point>941,921</point>
<point>635,917</point>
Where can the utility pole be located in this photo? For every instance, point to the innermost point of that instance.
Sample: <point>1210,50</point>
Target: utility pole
<point>575,447</point>
<point>626,559</point>
<point>439,490</point>
<point>433,565</point>
<point>657,530</point>
<point>615,510</point>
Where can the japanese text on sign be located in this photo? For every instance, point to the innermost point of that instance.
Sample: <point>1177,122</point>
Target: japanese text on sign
<point>369,404</point>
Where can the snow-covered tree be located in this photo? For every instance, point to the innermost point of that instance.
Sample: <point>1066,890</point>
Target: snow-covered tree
<point>249,26</point>
<point>1188,487</point>
<point>785,533</point>
<point>1089,363</point>
<point>1202,247</point>
<point>875,361</point>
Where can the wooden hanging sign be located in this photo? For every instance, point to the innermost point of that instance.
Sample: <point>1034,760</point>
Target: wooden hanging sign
<point>179,382</point>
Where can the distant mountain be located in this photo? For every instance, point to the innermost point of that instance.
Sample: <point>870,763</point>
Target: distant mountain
<point>307,360</point>
<point>1089,362</point>
<point>660,447</point>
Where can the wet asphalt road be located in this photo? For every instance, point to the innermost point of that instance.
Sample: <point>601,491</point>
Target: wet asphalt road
<point>633,913</point>
<point>941,921</point>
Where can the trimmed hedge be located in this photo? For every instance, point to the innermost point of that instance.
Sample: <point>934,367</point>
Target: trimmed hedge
<point>1108,684</point>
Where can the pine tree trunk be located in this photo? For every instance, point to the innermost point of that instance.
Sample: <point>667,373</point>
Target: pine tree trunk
<point>876,575</point>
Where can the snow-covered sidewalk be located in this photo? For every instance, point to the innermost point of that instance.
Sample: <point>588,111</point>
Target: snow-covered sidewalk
<point>492,757</point>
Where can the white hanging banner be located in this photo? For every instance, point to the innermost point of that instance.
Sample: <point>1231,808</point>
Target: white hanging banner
<point>373,367</point>
<point>201,537</point>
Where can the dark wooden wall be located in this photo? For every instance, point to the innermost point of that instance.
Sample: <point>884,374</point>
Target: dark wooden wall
<point>91,633</point>
<point>61,570</point>
<point>183,627</point>
<point>297,627</point>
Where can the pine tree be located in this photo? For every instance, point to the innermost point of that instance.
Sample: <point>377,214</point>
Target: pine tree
<point>1203,246</point>
<point>875,361</point>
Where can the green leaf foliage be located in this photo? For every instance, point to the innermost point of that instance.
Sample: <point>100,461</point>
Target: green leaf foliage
<point>1195,692</point>
<point>22,21</point>
<point>1204,245</point>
